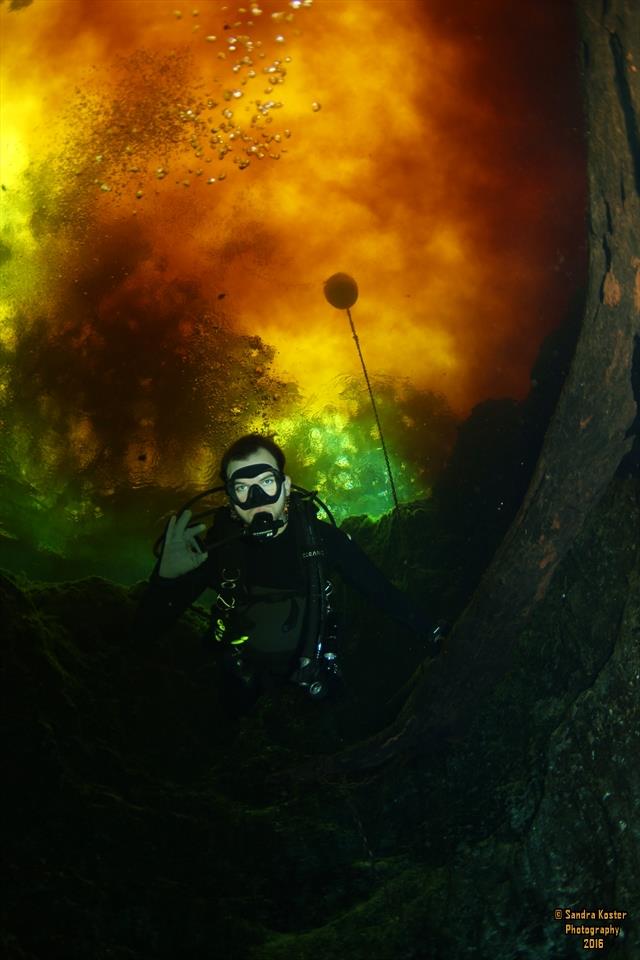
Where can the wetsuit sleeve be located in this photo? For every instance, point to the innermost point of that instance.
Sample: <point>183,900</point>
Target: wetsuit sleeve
<point>165,600</point>
<point>356,569</point>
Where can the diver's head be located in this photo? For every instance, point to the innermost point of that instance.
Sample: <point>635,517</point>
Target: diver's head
<point>252,470</point>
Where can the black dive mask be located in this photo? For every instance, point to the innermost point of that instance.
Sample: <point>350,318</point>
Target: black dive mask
<point>247,493</point>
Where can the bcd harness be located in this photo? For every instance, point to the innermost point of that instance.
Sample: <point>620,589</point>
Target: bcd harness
<point>275,619</point>
<point>243,615</point>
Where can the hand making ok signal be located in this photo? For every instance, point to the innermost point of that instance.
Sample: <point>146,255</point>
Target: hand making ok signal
<point>181,551</point>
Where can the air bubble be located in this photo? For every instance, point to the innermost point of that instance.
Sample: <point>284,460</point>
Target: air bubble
<point>315,106</point>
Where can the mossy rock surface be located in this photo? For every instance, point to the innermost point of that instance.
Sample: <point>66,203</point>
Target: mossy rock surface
<point>146,822</point>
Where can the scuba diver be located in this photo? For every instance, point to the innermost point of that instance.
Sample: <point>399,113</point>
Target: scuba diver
<point>267,556</point>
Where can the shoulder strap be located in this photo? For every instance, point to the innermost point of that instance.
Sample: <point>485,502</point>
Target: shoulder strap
<point>311,551</point>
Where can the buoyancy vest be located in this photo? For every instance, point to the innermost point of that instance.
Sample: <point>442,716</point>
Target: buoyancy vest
<point>272,619</point>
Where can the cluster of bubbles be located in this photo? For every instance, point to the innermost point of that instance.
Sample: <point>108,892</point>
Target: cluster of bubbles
<point>235,124</point>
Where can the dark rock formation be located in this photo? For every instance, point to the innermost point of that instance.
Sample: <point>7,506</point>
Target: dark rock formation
<point>146,822</point>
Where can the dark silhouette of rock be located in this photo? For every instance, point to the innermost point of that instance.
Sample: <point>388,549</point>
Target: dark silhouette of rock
<point>144,821</point>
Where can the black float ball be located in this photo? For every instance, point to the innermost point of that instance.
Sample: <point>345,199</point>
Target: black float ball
<point>341,291</point>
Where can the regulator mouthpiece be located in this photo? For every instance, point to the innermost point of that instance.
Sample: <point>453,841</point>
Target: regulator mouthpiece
<point>263,526</point>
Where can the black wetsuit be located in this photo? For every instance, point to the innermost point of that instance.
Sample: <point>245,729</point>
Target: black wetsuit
<point>274,566</point>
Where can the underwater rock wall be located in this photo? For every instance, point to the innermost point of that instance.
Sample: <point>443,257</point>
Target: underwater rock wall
<point>146,822</point>
<point>542,796</point>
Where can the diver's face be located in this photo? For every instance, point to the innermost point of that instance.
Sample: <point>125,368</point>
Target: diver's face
<point>265,480</point>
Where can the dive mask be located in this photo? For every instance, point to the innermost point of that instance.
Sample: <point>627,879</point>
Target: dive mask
<point>246,492</point>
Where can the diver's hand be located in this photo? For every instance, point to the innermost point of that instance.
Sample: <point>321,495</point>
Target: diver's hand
<point>181,551</point>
